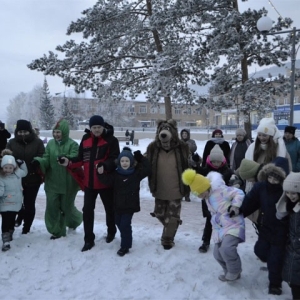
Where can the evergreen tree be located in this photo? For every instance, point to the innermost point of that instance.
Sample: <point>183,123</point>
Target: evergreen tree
<point>236,39</point>
<point>67,114</point>
<point>154,47</point>
<point>47,114</point>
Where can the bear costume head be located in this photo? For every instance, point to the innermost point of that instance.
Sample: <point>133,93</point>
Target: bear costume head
<point>167,134</point>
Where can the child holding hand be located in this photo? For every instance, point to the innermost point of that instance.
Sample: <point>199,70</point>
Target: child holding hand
<point>288,208</point>
<point>11,195</point>
<point>228,225</point>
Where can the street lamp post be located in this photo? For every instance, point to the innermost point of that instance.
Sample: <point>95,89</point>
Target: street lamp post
<point>264,24</point>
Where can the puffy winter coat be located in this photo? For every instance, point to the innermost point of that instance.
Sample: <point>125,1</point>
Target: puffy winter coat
<point>191,143</point>
<point>57,178</point>
<point>93,150</point>
<point>127,187</point>
<point>26,148</point>
<point>291,266</point>
<point>218,202</point>
<point>11,191</point>
<point>293,148</point>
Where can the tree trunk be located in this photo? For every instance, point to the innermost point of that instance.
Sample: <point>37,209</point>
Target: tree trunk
<point>168,107</point>
<point>248,126</point>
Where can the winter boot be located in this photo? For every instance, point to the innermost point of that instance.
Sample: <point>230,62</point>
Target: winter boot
<point>275,289</point>
<point>187,199</point>
<point>6,240</point>
<point>204,247</point>
<point>122,251</point>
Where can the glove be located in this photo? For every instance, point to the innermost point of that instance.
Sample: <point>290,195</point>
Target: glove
<point>61,159</point>
<point>233,211</point>
<point>19,162</point>
<point>196,157</point>
<point>99,165</point>
<point>138,156</point>
<point>35,164</point>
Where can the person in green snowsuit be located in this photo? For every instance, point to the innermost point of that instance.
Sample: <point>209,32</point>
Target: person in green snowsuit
<point>60,186</point>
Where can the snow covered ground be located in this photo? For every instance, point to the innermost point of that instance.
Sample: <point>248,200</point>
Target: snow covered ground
<point>39,268</point>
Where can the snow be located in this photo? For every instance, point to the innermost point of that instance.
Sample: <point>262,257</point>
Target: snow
<point>39,268</point>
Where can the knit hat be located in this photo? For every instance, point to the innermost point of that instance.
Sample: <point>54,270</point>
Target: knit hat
<point>267,126</point>
<point>217,131</point>
<point>96,120</point>
<point>292,183</point>
<point>8,160</point>
<point>240,131</point>
<point>197,183</point>
<point>248,169</point>
<point>23,125</point>
<point>126,152</point>
<point>216,154</point>
<point>290,129</point>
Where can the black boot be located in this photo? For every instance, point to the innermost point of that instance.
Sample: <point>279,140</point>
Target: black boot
<point>275,289</point>
<point>122,251</point>
<point>204,247</point>
<point>110,238</point>
<point>87,246</point>
<point>6,240</point>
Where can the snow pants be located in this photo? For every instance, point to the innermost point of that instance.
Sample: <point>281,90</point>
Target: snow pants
<point>90,196</point>
<point>123,222</point>
<point>227,256</point>
<point>273,255</point>
<point>168,213</point>
<point>61,213</point>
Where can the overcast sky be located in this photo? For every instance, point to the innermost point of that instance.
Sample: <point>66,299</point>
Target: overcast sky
<point>30,28</point>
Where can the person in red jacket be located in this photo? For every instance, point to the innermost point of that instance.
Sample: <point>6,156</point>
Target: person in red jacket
<point>98,146</point>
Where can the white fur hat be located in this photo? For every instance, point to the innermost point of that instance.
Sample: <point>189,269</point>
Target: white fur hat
<point>267,126</point>
<point>8,160</point>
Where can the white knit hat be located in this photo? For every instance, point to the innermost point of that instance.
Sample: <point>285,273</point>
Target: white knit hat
<point>292,183</point>
<point>267,126</point>
<point>8,160</point>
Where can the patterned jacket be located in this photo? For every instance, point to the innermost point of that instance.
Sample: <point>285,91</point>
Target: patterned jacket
<point>220,198</point>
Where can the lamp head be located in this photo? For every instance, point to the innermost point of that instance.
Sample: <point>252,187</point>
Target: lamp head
<point>264,24</point>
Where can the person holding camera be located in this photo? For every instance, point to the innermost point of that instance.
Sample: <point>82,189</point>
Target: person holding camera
<point>4,135</point>
<point>60,186</point>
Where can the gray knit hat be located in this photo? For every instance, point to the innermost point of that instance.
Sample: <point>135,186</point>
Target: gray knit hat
<point>292,183</point>
<point>248,169</point>
<point>240,131</point>
<point>216,154</point>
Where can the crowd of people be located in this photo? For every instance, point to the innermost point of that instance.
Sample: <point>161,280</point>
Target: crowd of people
<point>257,179</point>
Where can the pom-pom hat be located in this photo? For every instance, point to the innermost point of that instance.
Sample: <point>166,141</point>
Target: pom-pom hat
<point>96,120</point>
<point>292,183</point>
<point>197,183</point>
<point>217,131</point>
<point>8,160</point>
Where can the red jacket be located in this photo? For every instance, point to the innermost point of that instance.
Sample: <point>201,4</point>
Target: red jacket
<point>93,150</point>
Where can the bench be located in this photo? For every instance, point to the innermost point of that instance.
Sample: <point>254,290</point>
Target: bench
<point>127,139</point>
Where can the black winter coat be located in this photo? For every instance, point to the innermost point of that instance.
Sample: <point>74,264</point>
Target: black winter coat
<point>224,145</point>
<point>264,196</point>
<point>127,187</point>
<point>291,267</point>
<point>4,135</point>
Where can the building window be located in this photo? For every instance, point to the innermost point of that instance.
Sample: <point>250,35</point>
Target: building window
<point>154,110</point>
<point>177,111</point>
<point>162,111</point>
<point>143,109</point>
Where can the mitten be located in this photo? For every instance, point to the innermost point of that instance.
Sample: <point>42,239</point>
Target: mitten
<point>196,157</point>
<point>233,211</point>
<point>19,162</point>
<point>138,155</point>
<point>35,164</point>
<point>99,165</point>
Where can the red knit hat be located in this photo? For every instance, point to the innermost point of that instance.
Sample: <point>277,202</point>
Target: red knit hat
<point>217,131</point>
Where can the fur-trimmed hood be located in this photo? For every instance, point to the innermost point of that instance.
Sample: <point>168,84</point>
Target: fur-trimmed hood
<point>280,167</point>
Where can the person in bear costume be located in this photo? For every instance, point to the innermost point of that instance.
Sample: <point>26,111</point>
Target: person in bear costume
<point>168,157</point>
